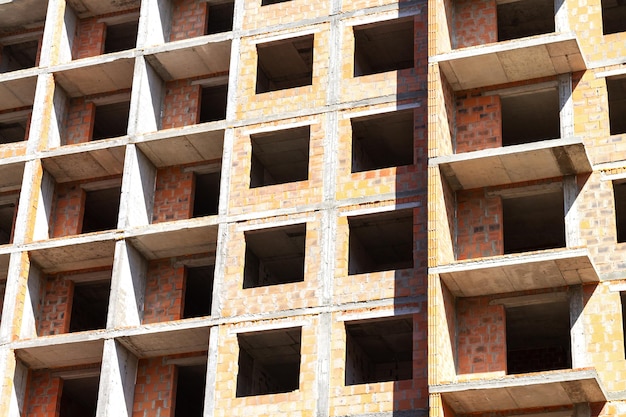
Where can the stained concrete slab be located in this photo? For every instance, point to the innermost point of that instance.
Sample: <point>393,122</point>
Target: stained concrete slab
<point>517,392</point>
<point>519,272</point>
<point>167,339</point>
<point>17,89</point>
<point>509,61</point>
<point>191,57</point>
<point>11,174</point>
<point>23,14</point>
<point>96,75</point>
<point>62,350</point>
<point>86,8</point>
<point>516,163</point>
<point>90,250</point>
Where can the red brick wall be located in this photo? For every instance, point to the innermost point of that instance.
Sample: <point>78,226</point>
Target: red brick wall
<point>478,122</point>
<point>479,225</point>
<point>181,106</point>
<point>67,215</point>
<point>475,22</point>
<point>56,306</point>
<point>173,195</point>
<point>89,40</point>
<point>189,19</point>
<point>80,121</point>
<point>164,292</point>
<point>154,388</point>
<point>481,336</point>
<point>43,395</point>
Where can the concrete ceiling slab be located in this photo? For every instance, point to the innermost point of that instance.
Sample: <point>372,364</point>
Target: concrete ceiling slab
<point>167,339</point>
<point>185,145</point>
<point>93,162</point>
<point>11,175</point>
<point>166,240</point>
<point>97,75</point>
<point>517,392</point>
<point>516,163</point>
<point>509,61</point>
<point>17,92</point>
<point>86,8</point>
<point>61,351</point>
<point>74,253</point>
<point>22,14</point>
<point>511,273</point>
<point>191,58</point>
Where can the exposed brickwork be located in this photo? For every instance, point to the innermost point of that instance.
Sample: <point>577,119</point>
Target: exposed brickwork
<point>56,305</point>
<point>181,106</point>
<point>475,23</point>
<point>89,41</point>
<point>164,292</point>
<point>80,121</point>
<point>189,18</point>
<point>44,395</point>
<point>67,210</point>
<point>154,388</point>
<point>173,195</point>
<point>479,225</point>
<point>478,122</point>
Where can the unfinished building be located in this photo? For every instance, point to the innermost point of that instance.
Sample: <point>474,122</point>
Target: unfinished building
<point>363,208</point>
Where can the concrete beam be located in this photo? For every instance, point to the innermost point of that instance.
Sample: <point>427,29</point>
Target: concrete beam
<point>519,272</point>
<point>510,61</point>
<point>517,163</point>
<point>117,381</point>
<point>517,392</point>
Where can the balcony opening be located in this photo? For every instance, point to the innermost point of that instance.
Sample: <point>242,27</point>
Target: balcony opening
<point>613,16</point>
<point>280,157</point>
<point>382,141</point>
<point>617,104</point>
<point>18,56</point>
<point>538,337</point>
<point>530,117</point>
<point>220,17</point>
<point>268,2</point>
<point>206,194</point>
<point>101,209</point>
<point>190,386</point>
<point>380,242</point>
<point>121,37</point>
<point>213,103</point>
<point>111,120</point>
<point>274,256</point>
<point>7,221</point>
<point>534,222</point>
<point>382,47</point>
<point>198,291</point>
<point>379,350</point>
<point>269,362</point>
<point>79,397</point>
<point>14,127</point>
<point>523,18</point>
<point>619,191</point>
<point>90,305</point>
<point>285,64</point>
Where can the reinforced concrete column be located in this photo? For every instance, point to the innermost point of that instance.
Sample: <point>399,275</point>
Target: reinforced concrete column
<point>146,99</point>
<point>128,283</point>
<point>58,36</point>
<point>155,22</point>
<point>138,185</point>
<point>577,328</point>
<point>117,381</point>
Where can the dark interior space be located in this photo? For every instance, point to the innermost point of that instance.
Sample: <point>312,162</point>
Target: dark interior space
<point>190,383</point>
<point>90,305</point>
<point>613,16</point>
<point>538,337</point>
<point>380,242</point>
<point>79,397</point>
<point>18,56</point>
<point>274,256</point>
<point>198,291</point>
<point>523,18</point>
<point>382,47</point>
<point>7,220</point>
<point>285,64</point>
<point>619,191</point>
<point>382,141</point>
<point>269,362</point>
<point>213,103</point>
<point>206,194</point>
<point>379,350</point>
<point>111,120</point>
<point>623,302</point>
<point>101,209</point>
<point>530,117</point>
<point>280,157</point>
<point>617,104</point>
<point>220,17</point>
<point>121,37</point>
<point>268,2</point>
<point>533,222</point>
<point>14,131</point>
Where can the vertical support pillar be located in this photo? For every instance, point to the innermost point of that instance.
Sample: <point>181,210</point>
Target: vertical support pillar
<point>577,330</point>
<point>146,99</point>
<point>128,283</point>
<point>561,19</point>
<point>138,185</point>
<point>155,18</point>
<point>566,105</point>
<point>211,373</point>
<point>58,37</point>
<point>572,221</point>
<point>582,410</point>
<point>117,381</point>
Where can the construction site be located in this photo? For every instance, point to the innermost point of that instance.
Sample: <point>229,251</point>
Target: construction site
<point>296,208</point>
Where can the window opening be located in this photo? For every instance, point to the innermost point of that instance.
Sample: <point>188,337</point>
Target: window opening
<point>18,56</point>
<point>268,2</point>
<point>14,130</point>
<point>382,47</point>
<point>7,222</point>
<point>213,103</point>
<point>613,16</point>
<point>121,37</point>
<point>617,104</point>
<point>220,17</point>
<point>101,209</point>
<point>206,194</point>
<point>619,191</point>
<point>190,384</point>
<point>285,64</point>
<point>90,305</point>
<point>111,120</point>
<point>198,291</point>
<point>530,117</point>
<point>79,397</point>
<point>523,18</point>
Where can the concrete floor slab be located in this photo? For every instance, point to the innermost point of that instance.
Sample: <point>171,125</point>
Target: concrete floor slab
<point>519,272</point>
<point>510,61</point>
<point>516,163</point>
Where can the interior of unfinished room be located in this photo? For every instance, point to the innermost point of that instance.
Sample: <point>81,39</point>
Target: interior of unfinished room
<point>339,208</point>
